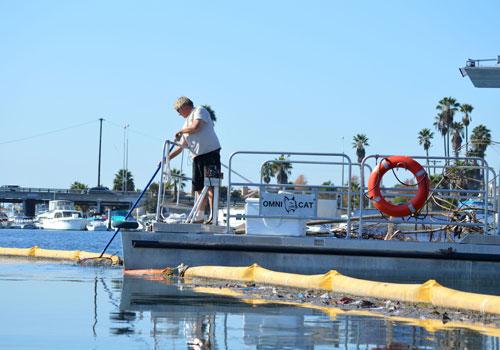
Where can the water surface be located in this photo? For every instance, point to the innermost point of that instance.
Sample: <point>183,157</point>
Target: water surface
<point>47,305</point>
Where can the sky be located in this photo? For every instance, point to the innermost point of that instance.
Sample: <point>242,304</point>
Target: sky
<point>281,76</point>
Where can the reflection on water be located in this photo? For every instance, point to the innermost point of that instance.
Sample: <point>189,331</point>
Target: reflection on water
<point>61,306</point>
<point>45,305</point>
<point>216,322</point>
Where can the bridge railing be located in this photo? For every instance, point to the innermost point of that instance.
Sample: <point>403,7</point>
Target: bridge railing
<point>58,190</point>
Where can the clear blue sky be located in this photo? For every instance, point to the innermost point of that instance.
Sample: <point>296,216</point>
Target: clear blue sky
<point>281,75</point>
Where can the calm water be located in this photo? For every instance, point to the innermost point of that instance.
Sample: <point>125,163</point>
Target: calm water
<point>64,306</point>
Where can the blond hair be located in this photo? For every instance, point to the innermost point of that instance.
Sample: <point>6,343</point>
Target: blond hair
<point>181,102</point>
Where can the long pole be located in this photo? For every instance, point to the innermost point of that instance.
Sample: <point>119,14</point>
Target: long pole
<point>99,162</point>
<point>132,208</point>
<point>136,202</point>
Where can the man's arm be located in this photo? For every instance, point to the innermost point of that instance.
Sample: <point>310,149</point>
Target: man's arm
<point>178,150</point>
<point>175,153</point>
<point>193,128</point>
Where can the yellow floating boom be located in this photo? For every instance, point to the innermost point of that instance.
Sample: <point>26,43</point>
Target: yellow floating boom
<point>73,255</point>
<point>429,292</point>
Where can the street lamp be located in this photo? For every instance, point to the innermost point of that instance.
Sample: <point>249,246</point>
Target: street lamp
<point>342,184</point>
<point>99,162</point>
<point>125,157</point>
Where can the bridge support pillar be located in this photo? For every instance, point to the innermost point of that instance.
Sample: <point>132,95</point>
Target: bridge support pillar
<point>29,207</point>
<point>99,207</point>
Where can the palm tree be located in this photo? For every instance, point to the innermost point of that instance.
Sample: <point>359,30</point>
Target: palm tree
<point>267,172</point>
<point>151,200</point>
<point>480,140</point>
<point>424,139</point>
<point>282,170</point>
<point>359,142</point>
<point>211,112</point>
<point>447,107</point>
<point>466,109</point>
<point>456,138</point>
<point>78,186</point>
<point>120,178</point>
<point>441,126</point>
<point>179,181</point>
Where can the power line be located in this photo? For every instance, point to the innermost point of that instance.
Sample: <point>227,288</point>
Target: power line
<point>135,131</point>
<point>48,132</point>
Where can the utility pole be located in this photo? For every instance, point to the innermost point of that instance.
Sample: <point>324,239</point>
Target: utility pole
<point>99,162</point>
<point>125,157</point>
<point>343,160</point>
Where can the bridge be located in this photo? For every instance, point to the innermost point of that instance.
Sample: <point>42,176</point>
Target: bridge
<point>32,196</point>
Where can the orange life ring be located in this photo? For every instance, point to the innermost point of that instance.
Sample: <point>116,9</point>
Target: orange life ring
<point>415,203</point>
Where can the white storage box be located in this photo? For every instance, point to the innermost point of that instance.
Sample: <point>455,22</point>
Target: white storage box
<point>272,227</point>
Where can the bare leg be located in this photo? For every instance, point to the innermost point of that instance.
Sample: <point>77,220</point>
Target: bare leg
<point>211,201</point>
<point>201,208</point>
<point>203,204</point>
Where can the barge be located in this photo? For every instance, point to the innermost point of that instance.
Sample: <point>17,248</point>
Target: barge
<point>276,239</point>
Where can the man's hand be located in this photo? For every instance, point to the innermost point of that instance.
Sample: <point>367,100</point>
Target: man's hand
<point>178,135</point>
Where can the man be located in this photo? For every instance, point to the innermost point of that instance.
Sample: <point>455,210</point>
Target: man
<point>198,135</point>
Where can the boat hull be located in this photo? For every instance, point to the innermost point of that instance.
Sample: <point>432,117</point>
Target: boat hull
<point>97,227</point>
<point>394,261</point>
<point>71,224</point>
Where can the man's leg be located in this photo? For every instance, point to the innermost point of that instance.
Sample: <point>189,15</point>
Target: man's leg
<point>211,202</point>
<point>200,214</point>
<point>203,204</point>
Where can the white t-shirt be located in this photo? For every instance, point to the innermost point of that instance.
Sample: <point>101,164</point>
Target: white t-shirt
<point>205,140</point>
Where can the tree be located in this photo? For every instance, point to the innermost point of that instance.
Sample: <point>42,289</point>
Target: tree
<point>123,176</point>
<point>355,187</point>
<point>152,198</point>
<point>211,112</point>
<point>267,172</point>
<point>281,169</point>
<point>466,109</point>
<point>424,139</point>
<point>480,140</point>
<point>331,192</point>
<point>236,195</point>
<point>441,126</point>
<point>178,181</point>
<point>447,107</point>
<point>359,142</point>
<point>456,138</point>
<point>78,186</point>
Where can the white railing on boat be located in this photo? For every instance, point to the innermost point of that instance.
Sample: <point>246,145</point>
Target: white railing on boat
<point>354,204</point>
<point>488,200</point>
<point>335,159</point>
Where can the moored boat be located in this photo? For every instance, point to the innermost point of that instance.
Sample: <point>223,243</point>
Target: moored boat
<point>62,216</point>
<point>97,225</point>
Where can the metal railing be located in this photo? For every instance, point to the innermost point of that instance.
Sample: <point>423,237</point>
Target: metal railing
<point>486,190</point>
<point>58,190</point>
<point>346,162</point>
<point>482,193</point>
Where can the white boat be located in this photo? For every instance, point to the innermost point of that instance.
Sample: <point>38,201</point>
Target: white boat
<point>62,216</point>
<point>97,225</point>
<point>4,220</point>
<point>62,220</point>
<point>22,222</point>
<point>236,222</point>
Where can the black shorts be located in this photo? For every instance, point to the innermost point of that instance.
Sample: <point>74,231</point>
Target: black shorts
<point>199,164</point>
